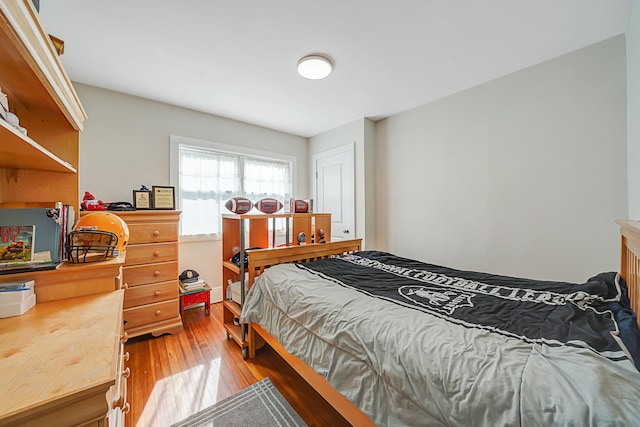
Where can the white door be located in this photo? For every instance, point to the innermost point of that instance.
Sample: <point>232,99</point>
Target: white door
<point>335,189</point>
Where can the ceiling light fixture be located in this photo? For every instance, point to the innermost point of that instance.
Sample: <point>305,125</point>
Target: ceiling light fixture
<point>315,67</point>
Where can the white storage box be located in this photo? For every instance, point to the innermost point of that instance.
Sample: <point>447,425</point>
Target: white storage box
<point>235,292</point>
<point>16,298</point>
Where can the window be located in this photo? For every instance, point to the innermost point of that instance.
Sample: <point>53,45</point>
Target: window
<point>208,174</point>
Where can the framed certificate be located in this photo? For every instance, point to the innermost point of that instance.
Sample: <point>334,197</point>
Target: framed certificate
<point>142,199</point>
<point>163,197</point>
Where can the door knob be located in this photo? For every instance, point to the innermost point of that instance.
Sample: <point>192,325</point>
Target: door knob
<point>345,231</point>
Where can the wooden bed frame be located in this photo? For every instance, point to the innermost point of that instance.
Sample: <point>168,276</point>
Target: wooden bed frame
<point>630,261</point>
<point>261,259</point>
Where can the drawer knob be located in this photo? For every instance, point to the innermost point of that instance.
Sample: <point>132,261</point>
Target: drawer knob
<point>126,408</point>
<point>157,293</point>
<point>156,253</point>
<point>124,286</point>
<point>158,312</point>
<point>156,233</point>
<point>126,373</point>
<point>126,356</point>
<point>156,273</point>
<point>124,337</point>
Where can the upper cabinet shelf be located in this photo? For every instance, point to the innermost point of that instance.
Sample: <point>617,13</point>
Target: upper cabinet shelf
<point>43,164</point>
<point>21,152</point>
<point>40,94</point>
<point>32,73</point>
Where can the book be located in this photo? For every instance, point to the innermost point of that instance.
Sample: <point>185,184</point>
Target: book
<point>16,244</point>
<point>48,229</point>
<point>17,286</point>
<point>191,291</point>
<point>192,286</point>
<point>189,283</point>
<point>66,220</point>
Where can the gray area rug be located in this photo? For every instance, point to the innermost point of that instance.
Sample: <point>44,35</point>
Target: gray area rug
<point>260,404</point>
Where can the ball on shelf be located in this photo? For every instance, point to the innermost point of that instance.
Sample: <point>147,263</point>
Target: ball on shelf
<point>239,205</point>
<point>269,205</point>
<point>300,206</point>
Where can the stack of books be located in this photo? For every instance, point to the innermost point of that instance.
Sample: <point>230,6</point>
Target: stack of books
<point>188,287</point>
<point>20,250</point>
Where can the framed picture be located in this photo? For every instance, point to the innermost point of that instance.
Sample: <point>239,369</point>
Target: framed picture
<point>142,199</point>
<point>163,197</point>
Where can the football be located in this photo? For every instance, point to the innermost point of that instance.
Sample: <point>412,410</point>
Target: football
<point>268,205</point>
<point>300,206</point>
<point>239,205</point>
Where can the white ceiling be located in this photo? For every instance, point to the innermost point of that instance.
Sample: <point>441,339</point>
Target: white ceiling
<point>237,58</point>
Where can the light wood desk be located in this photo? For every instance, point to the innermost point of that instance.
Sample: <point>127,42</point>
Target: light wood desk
<point>61,362</point>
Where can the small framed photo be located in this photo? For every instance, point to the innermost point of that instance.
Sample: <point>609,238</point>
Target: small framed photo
<point>142,199</point>
<point>163,197</point>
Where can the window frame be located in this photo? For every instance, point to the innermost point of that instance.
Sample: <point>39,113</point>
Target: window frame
<point>176,141</point>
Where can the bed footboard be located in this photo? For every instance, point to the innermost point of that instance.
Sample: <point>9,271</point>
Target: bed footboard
<point>261,259</point>
<point>350,412</point>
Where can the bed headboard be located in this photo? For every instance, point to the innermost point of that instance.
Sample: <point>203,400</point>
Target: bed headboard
<point>259,259</point>
<point>630,261</point>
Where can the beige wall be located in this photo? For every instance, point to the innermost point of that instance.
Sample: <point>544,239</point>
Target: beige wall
<point>125,143</point>
<point>633,109</point>
<point>522,176</point>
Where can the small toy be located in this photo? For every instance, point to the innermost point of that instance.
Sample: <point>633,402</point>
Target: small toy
<point>89,203</point>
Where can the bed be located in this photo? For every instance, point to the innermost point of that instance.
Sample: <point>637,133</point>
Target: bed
<point>436,346</point>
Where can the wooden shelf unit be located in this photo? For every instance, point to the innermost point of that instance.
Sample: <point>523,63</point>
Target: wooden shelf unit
<point>64,363</point>
<point>42,165</point>
<point>240,232</point>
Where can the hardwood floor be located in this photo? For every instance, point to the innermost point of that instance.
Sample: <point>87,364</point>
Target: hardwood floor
<point>173,376</point>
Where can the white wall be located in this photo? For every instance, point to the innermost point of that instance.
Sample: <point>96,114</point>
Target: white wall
<point>633,109</point>
<point>522,176</point>
<point>125,143</point>
<point>362,133</point>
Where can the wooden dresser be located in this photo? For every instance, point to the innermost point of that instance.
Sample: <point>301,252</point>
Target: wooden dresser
<point>150,273</point>
<point>62,364</point>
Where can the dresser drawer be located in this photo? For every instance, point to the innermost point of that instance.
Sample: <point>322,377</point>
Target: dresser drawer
<point>150,273</point>
<point>153,233</point>
<point>151,253</point>
<point>151,313</point>
<point>117,396</point>
<point>149,294</point>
